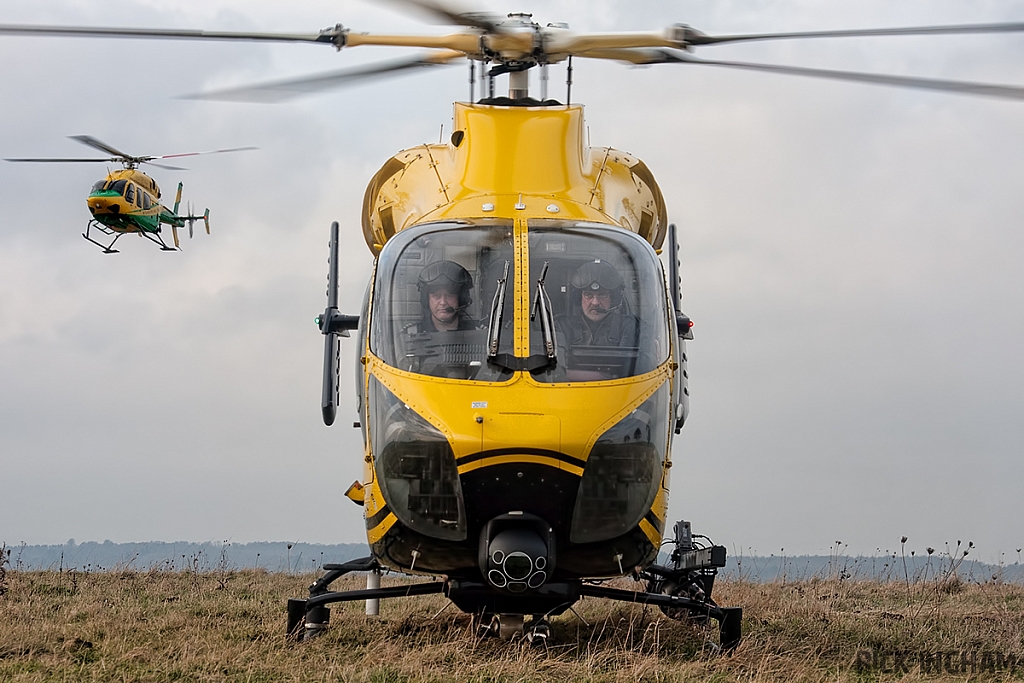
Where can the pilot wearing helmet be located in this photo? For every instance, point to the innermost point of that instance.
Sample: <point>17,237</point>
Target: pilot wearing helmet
<point>598,319</point>
<point>445,293</point>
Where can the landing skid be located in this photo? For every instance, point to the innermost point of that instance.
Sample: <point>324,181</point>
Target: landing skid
<point>109,248</point>
<point>682,591</point>
<point>309,618</point>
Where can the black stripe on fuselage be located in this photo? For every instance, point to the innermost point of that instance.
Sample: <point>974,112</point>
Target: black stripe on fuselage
<point>372,522</point>
<point>482,455</point>
<point>652,518</point>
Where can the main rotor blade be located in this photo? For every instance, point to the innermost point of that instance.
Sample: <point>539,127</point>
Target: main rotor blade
<point>164,166</point>
<point>279,91</point>
<point>693,37</point>
<point>337,36</point>
<point>214,151</point>
<point>100,145</point>
<point>450,15</point>
<point>959,87</point>
<point>64,161</point>
<point>327,36</point>
<point>638,56</point>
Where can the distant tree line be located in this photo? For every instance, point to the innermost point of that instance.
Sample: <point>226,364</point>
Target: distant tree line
<point>273,556</point>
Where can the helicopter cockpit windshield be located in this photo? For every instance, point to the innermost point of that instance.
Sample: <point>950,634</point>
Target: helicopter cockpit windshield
<point>433,298</point>
<point>606,302</point>
<point>444,293</point>
<point>117,186</point>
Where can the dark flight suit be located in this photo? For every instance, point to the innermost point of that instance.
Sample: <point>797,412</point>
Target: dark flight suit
<point>616,330</point>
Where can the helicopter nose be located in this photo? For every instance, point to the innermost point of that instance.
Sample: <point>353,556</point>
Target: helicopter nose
<point>99,205</point>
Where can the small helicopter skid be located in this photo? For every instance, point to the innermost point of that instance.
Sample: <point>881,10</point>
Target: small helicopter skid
<point>109,248</point>
<point>681,589</point>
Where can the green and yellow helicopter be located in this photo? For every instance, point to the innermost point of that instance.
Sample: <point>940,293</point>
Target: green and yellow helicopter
<point>521,360</point>
<point>127,201</point>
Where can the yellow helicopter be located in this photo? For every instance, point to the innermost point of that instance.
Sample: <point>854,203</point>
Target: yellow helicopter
<point>127,201</point>
<point>521,360</point>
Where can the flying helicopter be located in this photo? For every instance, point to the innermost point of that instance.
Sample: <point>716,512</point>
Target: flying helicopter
<point>127,201</point>
<point>454,428</point>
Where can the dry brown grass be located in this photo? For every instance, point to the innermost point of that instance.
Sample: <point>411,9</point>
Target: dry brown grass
<point>184,626</point>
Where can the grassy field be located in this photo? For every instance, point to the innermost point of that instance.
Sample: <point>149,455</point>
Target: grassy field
<point>225,625</point>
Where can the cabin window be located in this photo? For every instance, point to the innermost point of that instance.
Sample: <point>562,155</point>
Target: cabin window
<point>129,194</point>
<point>146,202</point>
<point>100,184</point>
<point>434,290</point>
<point>607,312</point>
<point>118,186</point>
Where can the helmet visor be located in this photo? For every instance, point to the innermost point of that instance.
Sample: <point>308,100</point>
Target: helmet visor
<point>596,275</point>
<point>445,273</point>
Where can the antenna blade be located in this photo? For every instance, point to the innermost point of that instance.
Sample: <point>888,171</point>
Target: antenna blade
<point>958,87</point>
<point>280,91</point>
<point>100,145</point>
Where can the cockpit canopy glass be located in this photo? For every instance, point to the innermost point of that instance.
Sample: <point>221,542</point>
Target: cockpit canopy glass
<point>607,302</point>
<point>435,290</point>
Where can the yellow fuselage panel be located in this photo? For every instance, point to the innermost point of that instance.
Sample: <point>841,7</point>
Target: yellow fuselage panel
<point>521,413</point>
<point>513,162</point>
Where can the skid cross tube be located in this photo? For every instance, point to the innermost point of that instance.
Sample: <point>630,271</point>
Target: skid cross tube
<point>389,592</point>
<point>336,571</point>
<point>729,618</point>
<point>659,599</point>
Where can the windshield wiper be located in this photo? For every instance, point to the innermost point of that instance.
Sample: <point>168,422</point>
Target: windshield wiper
<point>542,307</point>
<point>497,308</point>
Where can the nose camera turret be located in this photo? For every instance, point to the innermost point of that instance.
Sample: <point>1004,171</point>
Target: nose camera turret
<point>517,552</point>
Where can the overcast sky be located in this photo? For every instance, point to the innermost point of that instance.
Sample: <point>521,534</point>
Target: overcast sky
<point>851,260</point>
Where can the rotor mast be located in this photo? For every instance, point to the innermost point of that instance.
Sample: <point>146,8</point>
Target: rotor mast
<point>519,85</point>
<point>515,50</point>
